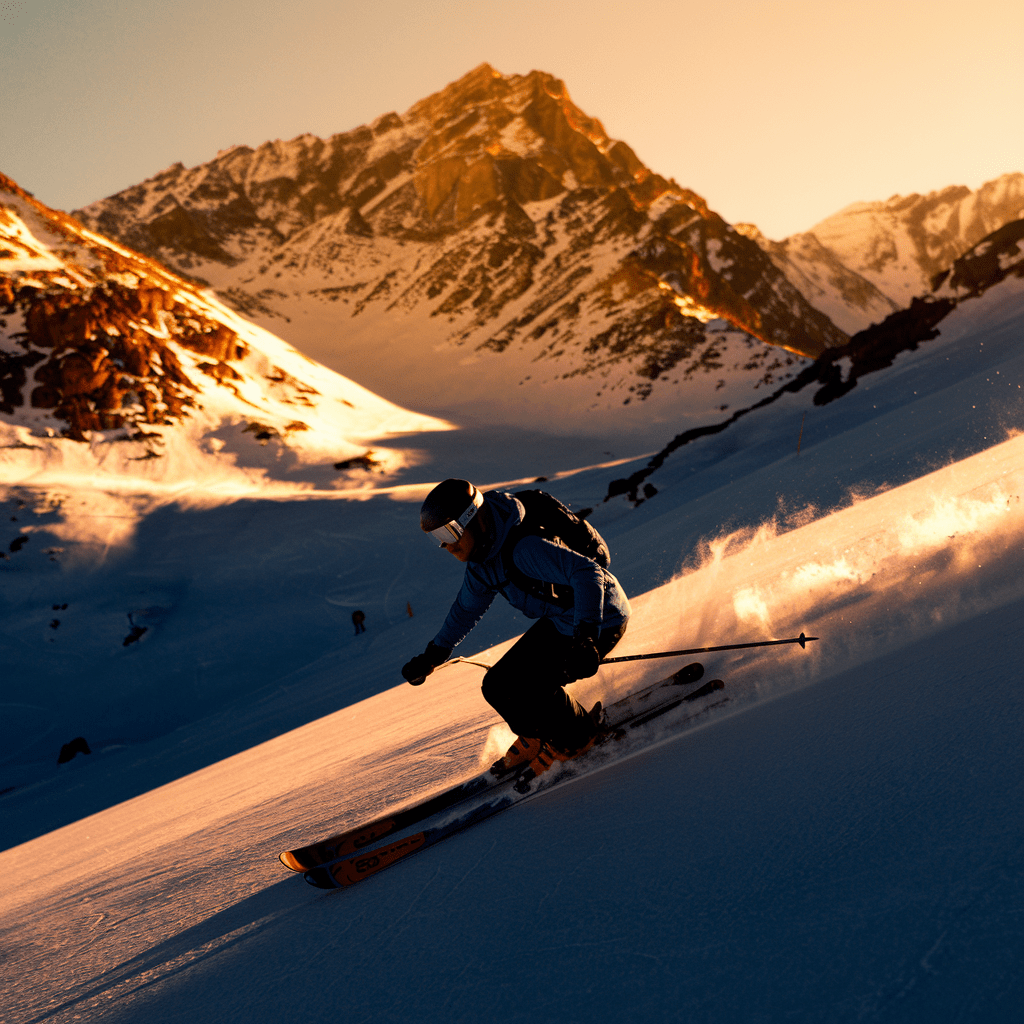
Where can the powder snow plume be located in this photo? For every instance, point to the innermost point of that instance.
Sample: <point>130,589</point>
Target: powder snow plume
<point>867,579</point>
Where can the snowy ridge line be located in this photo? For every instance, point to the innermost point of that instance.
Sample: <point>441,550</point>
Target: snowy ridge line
<point>873,258</point>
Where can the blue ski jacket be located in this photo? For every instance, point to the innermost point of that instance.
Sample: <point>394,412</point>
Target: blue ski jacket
<point>597,594</point>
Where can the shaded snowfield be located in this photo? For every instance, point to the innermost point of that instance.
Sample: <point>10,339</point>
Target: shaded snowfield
<point>842,840</point>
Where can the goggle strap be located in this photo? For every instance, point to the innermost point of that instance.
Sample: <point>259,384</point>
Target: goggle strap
<point>451,531</point>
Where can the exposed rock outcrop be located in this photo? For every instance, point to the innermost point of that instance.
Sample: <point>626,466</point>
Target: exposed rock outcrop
<point>94,344</point>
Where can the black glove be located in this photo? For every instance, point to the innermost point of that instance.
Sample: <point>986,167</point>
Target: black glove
<point>582,659</point>
<point>418,668</point>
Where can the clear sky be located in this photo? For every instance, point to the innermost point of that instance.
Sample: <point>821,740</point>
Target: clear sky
<point>778,113</point>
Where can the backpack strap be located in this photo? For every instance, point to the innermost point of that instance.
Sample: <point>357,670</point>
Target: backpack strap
<point>546,517</point>
<point>560,594</point>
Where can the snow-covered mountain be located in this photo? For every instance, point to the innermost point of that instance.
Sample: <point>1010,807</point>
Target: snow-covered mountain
<point>490,252</point>
<point>870,259</point>
<point>838,838</point>
<point>847,298</point>
<point>112,365</point>
<point>839,841</point>
<point>977,286</point>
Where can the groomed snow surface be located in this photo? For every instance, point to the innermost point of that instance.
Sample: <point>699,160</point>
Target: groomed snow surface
<point>843,840</point>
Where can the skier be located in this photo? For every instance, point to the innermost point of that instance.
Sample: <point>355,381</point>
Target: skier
<point>581,608</point>
<point>358,620</point>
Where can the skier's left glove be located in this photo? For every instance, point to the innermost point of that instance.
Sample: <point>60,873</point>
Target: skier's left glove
<point>583,659</point>
<point>418,668</point>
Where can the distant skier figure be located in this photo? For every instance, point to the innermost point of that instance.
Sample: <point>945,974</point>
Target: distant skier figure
<point>552,567</point>
<point>358,618</point>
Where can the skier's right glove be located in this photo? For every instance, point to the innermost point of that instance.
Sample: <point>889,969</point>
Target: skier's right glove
<point>418,668</point>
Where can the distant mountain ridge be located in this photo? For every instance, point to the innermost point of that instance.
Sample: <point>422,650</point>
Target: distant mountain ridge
<point>494,217</point>
<point>994,267</point>
<point>870,259</point>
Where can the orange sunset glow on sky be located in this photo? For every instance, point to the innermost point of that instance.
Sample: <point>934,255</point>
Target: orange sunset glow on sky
<point>778,113</point>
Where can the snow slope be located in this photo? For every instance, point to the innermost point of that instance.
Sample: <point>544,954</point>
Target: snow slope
<point>841,841</point>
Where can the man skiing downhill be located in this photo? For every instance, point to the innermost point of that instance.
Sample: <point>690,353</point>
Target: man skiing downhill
<point>582,612</point>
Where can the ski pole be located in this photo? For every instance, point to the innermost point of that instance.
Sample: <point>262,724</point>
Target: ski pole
<point>801,640</point>
<point>445,664</point>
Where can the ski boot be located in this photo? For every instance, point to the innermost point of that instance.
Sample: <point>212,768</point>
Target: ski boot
<point>520,754</point>
<point>549,753</point>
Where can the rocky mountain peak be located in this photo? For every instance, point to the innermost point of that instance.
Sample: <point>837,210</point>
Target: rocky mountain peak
<point>494,216</point>
<point>489,100</point>
<point>518,139</point>
<point>483,145</point>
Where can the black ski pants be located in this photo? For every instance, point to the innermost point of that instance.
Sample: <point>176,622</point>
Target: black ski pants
<point>526,686</point>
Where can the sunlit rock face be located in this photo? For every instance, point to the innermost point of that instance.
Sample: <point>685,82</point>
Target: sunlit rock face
<point>96,326</point>
<point>494,213</point>
<point>870,259</point>
<point>101,344</point>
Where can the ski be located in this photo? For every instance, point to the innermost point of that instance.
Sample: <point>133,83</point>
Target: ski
<point>343,873</point>
<point>648,700</point>
<point>348,871</point>
<point>663,709</point>
<point>334,847</point>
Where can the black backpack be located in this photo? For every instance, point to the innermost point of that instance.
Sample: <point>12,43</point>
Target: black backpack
<point>547,517</point>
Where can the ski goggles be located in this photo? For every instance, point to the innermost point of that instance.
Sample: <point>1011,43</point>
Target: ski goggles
<point>451,531</point>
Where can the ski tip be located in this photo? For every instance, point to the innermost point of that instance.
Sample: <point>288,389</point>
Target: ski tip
<point>288,860</point>
<point>688,673</point>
